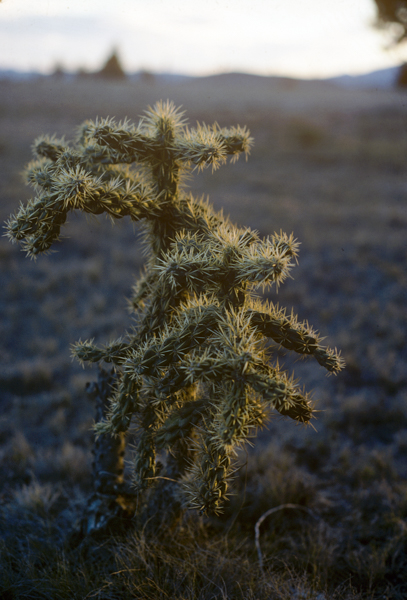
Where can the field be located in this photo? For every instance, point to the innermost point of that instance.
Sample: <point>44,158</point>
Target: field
<point>329,165</point>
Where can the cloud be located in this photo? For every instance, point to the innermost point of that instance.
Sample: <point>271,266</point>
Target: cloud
<point>67,25</point>
<point>38,42</point>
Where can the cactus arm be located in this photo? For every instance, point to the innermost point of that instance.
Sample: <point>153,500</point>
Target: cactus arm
<point>39,222</point>
<point>49,147</point>
<point>207,485</point>
<point>209,146</point>
<point>296,336</point>
<point>123,142</point>
<point>180,423</point>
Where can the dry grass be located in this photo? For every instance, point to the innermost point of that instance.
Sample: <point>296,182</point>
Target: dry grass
<point>328,165</point>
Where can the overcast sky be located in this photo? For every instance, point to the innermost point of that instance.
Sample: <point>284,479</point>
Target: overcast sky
<point>303,38</point>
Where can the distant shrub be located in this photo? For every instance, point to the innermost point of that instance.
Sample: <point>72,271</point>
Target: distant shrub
<point>193,374</point>
<point>58,71</point>
<point>147,76</point>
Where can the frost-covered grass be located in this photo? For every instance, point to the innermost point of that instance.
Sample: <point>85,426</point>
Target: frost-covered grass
<point>333,171</point>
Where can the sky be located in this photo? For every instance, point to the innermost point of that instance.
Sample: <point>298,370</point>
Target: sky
<point>297,38</point>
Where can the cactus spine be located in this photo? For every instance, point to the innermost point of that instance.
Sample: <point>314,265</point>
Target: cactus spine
<point>195,371</point>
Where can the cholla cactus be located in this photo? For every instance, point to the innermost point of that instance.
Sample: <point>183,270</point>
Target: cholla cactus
<point>194,373</point>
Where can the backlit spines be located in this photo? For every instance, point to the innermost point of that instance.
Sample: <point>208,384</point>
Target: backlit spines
<point>195,370</point>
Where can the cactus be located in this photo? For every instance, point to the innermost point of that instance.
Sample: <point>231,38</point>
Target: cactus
<point>194,374</point>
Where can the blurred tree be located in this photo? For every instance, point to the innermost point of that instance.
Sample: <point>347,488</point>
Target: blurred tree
<point>392,16</point>
<point>112,68</point>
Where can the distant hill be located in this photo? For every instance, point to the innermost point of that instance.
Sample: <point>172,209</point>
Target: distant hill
<point>382,78</point>
<point>18,75</point>
<point>162,77</point>
<point>379,79</point>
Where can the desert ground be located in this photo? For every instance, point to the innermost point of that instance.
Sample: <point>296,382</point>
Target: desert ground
<point>328,164</point>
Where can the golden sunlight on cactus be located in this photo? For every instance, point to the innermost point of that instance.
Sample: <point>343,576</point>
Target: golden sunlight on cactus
<point>196,367</point>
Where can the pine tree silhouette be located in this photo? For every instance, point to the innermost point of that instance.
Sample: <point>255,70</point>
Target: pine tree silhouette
<point>112,68</point>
